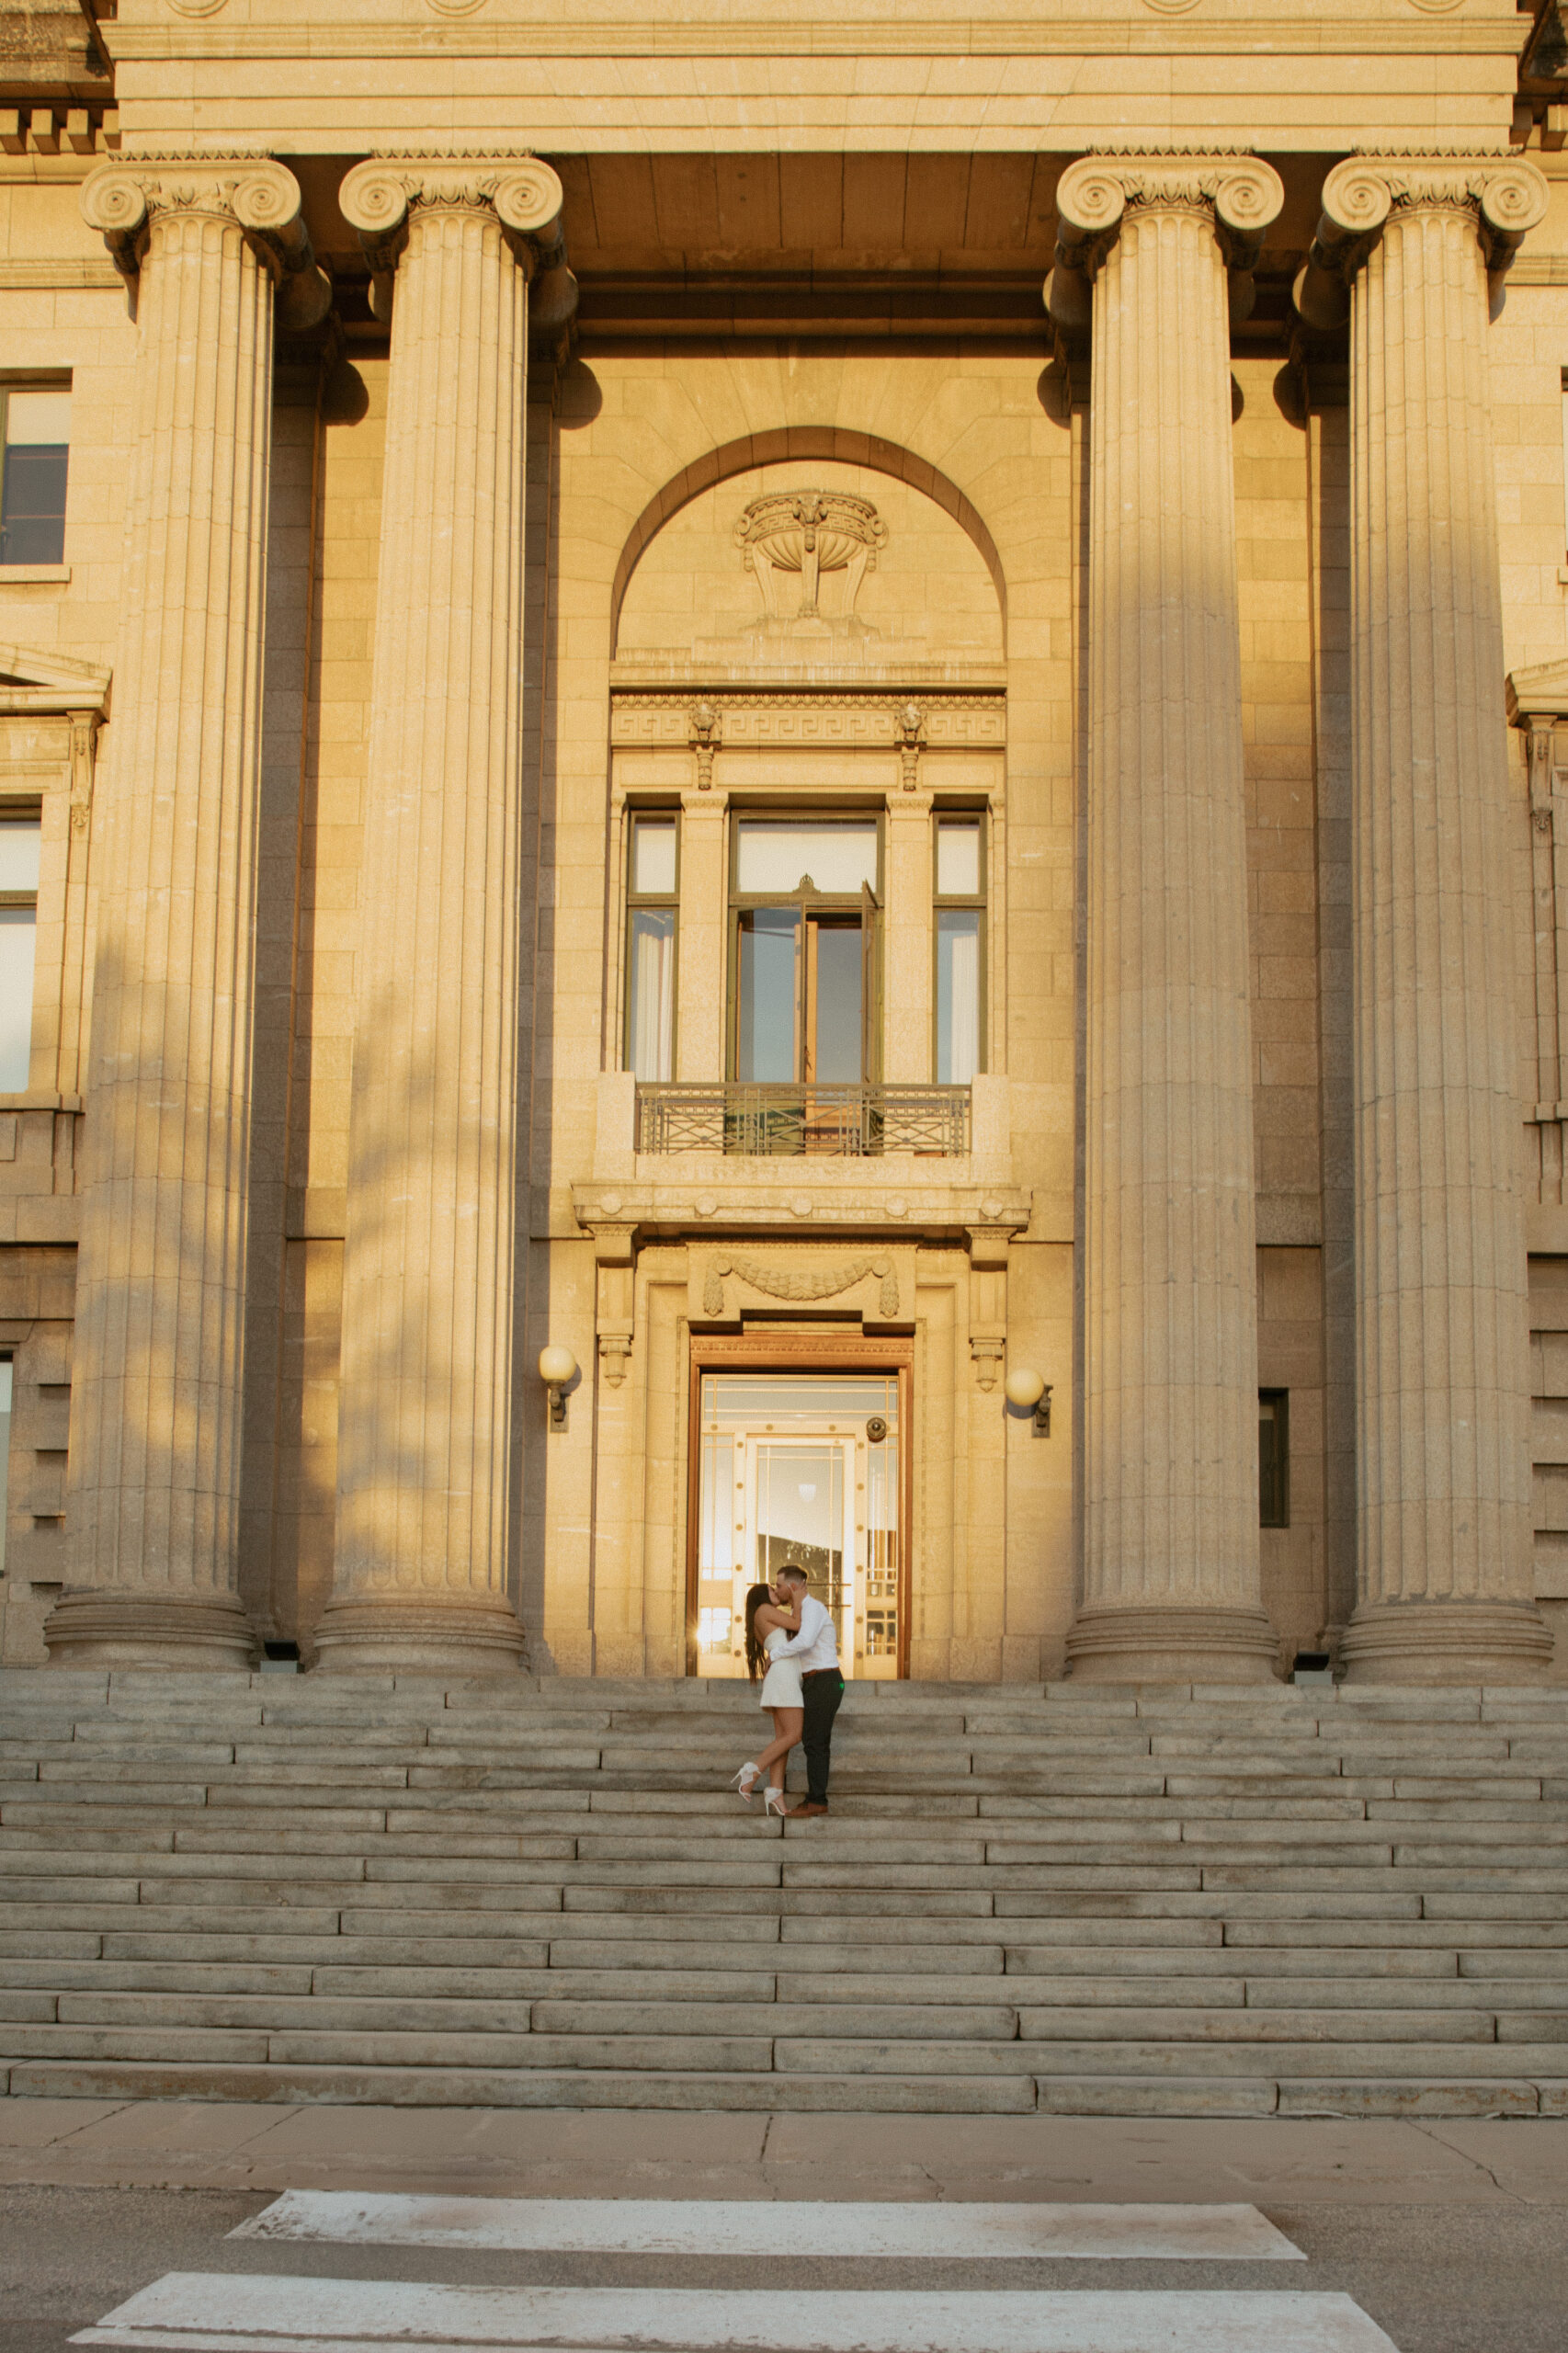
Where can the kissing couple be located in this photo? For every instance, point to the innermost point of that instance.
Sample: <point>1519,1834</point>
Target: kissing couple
<point>789,1632</point>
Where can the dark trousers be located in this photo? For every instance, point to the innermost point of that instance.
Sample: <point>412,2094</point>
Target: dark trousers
<point>822,1694</point>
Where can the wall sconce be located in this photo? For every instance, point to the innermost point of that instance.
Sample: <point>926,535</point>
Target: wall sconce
<point>1030,1393</point>
<point>557,1369</point>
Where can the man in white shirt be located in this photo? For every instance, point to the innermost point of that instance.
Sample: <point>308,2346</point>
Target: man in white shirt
<point>815,1651</point>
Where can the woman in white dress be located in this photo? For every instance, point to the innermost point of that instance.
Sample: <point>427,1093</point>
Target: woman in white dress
<point>771,1621</point>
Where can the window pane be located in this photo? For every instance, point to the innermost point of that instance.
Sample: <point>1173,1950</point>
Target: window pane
<point>774,857</point>
<point>839,969</point>
<point>34,418</point>
<point>32,504</point>
<point>651,993</point>
<point>958,995</point>
<point>19,927</point>
<point>653,858</point>
<point>18,853</point>
<point>770,951</point>
<point>958,861</point>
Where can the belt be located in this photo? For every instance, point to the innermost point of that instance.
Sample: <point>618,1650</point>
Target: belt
<point>809,1673</point>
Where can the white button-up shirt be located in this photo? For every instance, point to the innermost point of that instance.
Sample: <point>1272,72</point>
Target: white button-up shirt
<point>816,1645</point>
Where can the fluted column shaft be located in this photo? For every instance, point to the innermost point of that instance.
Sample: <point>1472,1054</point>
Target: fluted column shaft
<point>1170,1572</point>
<point>154,1455</point>
<point>1445,1587</point>
<point>420,1575</point>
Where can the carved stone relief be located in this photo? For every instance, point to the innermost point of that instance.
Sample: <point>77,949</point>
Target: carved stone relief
<point>875,1285</point>
<point>794,542</point>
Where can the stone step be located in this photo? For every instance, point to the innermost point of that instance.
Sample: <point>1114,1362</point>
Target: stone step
<point>1087,2094</point>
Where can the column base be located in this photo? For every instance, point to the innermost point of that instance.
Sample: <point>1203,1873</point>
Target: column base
<point>367,1635</point>
<point>1171,1645</point>
<point>1446,1642</point>
<point>149,1630</point>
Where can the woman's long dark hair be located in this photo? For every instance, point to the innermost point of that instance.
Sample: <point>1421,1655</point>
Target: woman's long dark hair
<point>756,1653</point>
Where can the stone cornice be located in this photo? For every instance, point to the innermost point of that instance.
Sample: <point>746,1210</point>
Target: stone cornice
<point>1504,195</point>
<point>497,30</point>
<point>126,199</point>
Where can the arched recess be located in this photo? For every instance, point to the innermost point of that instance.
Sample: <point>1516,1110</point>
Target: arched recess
<point>796,442</point>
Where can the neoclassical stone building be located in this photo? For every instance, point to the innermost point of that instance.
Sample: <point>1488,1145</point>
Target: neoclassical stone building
<point>615,740</point>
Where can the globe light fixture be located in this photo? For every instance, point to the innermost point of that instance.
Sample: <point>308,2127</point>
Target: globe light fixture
<point>1031,1392</point>
<point>557,1369</point>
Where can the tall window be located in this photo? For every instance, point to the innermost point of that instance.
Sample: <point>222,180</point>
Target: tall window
<point>650,925</point>
<point>960,949</point>
<point>806,1002</point>
<point>37,450</point>
<point>19,938</point>
<point>1274,1458</point>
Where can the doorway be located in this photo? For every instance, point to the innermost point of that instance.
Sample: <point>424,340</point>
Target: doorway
<point>806,1466</point>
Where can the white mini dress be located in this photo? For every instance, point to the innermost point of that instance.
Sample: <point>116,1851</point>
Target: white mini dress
<point>781,1684</point>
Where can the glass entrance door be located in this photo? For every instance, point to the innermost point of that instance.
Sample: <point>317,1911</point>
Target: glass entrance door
<point>801,1467</point>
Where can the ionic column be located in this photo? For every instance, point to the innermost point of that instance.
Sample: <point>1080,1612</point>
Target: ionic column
<point>1170,1575</point>
<point>420,1577</point>
<point>153,1506</point>
<point>1445,1587</point>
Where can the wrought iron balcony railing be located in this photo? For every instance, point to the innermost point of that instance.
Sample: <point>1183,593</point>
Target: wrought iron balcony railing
<point>780,1121</point>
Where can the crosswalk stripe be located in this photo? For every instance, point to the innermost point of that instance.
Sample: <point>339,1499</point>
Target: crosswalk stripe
<point>1083,2232</point>
<point>225,2312</point>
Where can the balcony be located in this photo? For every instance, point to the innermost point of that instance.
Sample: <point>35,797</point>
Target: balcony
<point>783,1122</point>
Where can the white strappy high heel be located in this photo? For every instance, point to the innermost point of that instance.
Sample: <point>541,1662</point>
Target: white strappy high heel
<point>773,1804</point>
<point>746,1779</point>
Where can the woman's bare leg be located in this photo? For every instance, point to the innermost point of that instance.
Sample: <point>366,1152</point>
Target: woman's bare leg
<point>789,1724</point>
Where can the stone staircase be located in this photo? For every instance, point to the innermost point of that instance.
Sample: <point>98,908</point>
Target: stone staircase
<point>1084,1900</point>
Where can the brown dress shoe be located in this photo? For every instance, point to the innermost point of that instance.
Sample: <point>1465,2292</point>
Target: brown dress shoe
<point>811,1806</point>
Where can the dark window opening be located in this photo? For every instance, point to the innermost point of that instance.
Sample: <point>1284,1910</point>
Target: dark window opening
<point>1274,1458</point>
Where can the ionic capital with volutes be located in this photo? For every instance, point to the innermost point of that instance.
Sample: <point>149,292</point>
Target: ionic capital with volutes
<point>1239,194</point>
<point>128,199</point>
<point>382,196</point>
<point>379,198</point>
<point>1503,196</point>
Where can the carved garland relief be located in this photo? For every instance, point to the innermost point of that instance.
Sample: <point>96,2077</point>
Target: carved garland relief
<point>800,1284</point>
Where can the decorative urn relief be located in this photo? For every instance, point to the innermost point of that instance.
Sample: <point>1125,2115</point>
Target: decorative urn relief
<point>809,551</point>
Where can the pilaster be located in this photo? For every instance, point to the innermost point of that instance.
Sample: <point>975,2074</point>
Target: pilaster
<point>424,1502</point>
<point>1171,1586</point>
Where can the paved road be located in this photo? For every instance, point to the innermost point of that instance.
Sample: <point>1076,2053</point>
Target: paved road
<point>1453,2239</point>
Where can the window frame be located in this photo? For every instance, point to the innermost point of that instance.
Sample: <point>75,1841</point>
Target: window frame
<point>20,382</point>
<point>650,903</point>
<point>808,903</point>
<point>945,902</point>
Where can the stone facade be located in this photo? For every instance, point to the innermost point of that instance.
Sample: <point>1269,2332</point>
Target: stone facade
<point>486,440</point>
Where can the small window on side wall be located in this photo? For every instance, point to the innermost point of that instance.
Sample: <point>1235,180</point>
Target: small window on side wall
<point>1274,1458</point>
<point>34,461</point>
<point>959,939</point>
<point>653,909</point>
